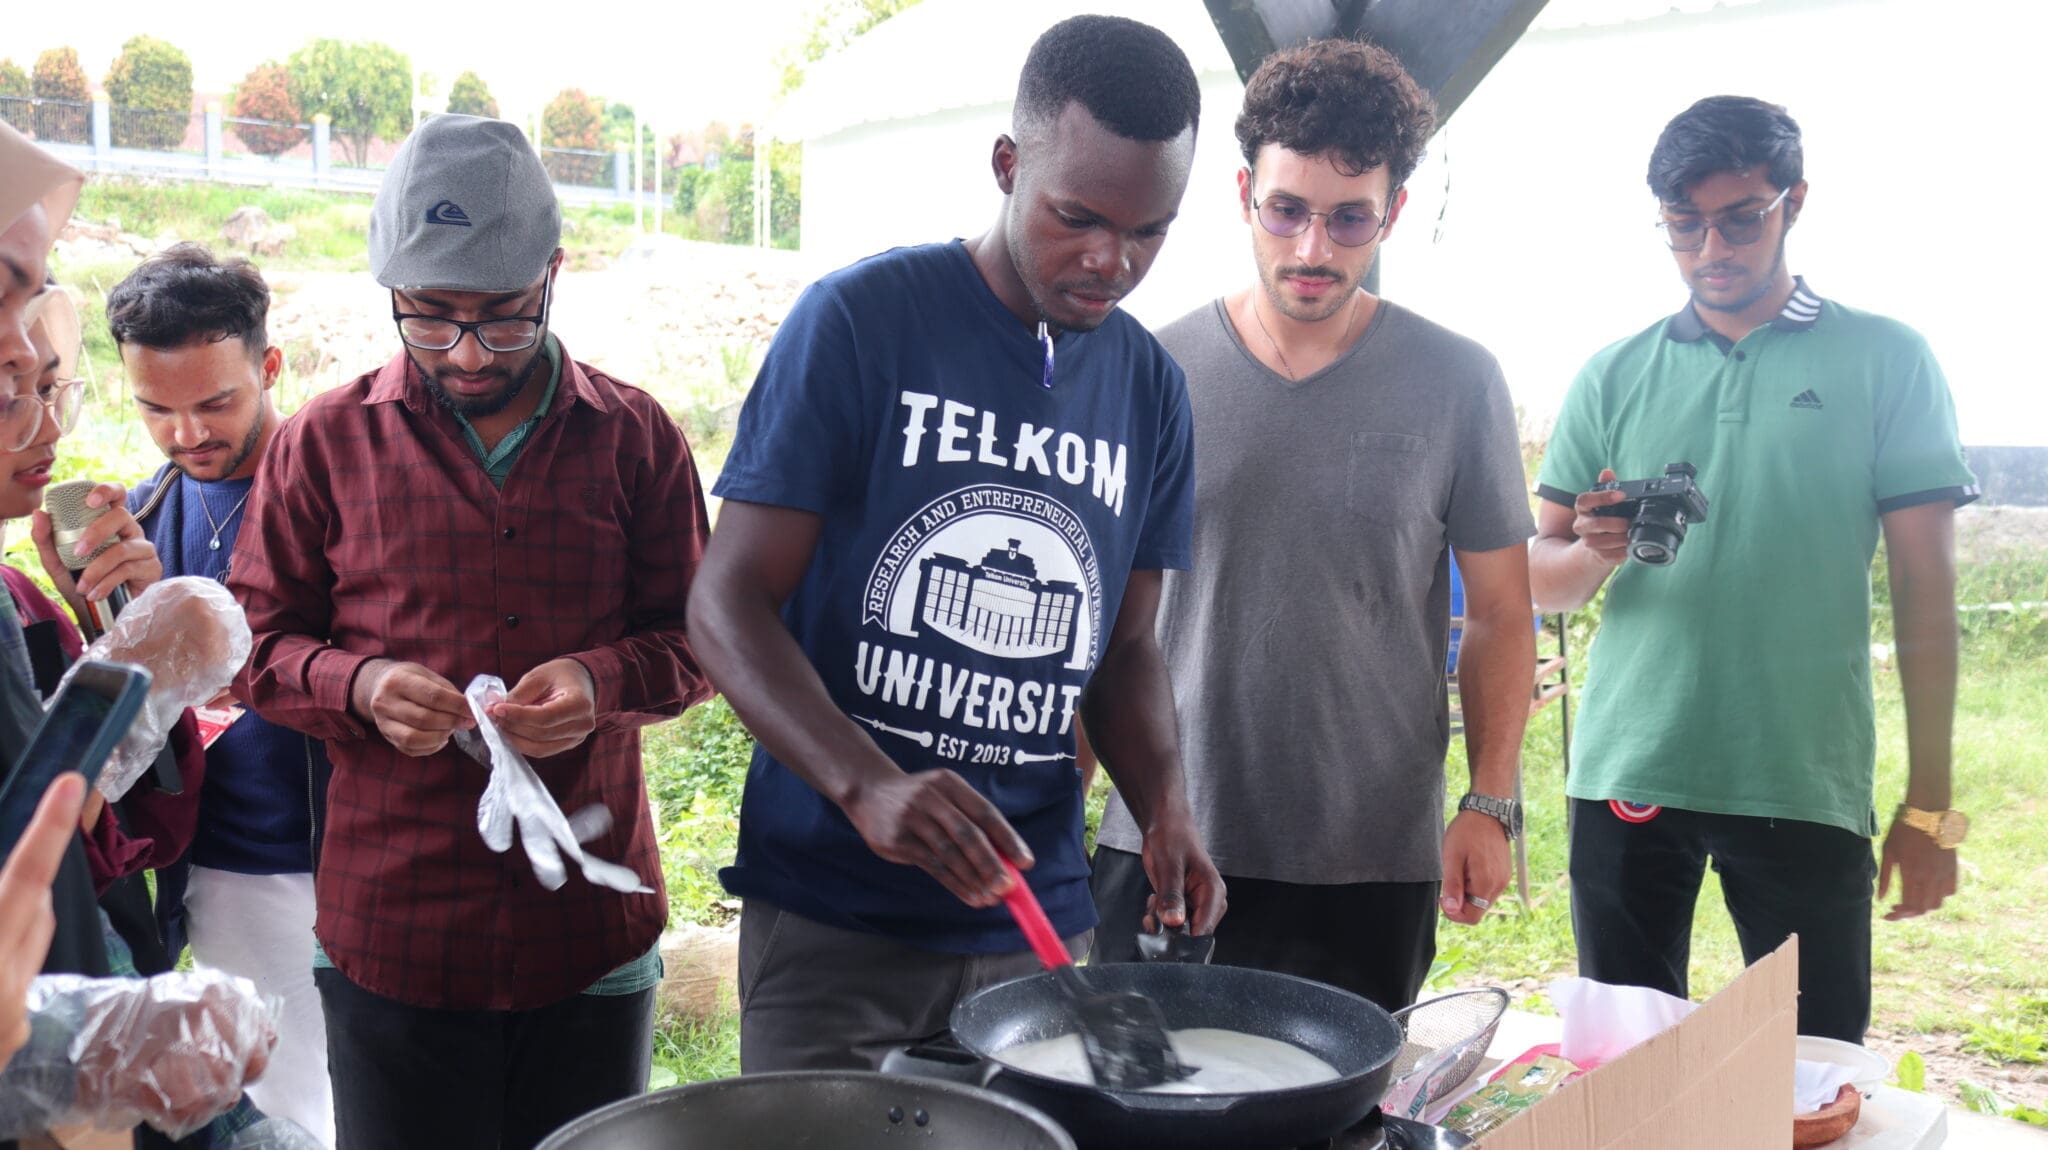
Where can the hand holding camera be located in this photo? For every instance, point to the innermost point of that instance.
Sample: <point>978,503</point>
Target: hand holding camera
<point>1640,519</point>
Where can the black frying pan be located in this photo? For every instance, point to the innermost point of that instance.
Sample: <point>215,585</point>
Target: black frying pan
<point>1351,1034</point>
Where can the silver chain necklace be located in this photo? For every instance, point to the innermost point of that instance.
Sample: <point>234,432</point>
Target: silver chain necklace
<point>1287,369</point>
<point>222,525</point>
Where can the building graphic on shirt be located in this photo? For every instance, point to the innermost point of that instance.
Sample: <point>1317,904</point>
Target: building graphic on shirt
<point>997,570</point>
<point>1000,606</point>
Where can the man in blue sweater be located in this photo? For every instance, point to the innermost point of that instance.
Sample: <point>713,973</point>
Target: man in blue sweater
<point>192,335</point>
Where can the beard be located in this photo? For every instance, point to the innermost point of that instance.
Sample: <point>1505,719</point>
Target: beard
<point>478,406</point>
<point>240,455</point>
<point>1749,298</point>
<point>1333,301</point>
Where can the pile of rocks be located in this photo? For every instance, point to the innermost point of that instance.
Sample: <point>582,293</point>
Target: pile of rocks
<point>83,241</point>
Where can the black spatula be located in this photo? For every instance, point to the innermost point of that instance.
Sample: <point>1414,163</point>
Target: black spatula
<point>1123,1033</point>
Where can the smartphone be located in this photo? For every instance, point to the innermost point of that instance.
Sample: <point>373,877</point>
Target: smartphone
<point>80,728</point>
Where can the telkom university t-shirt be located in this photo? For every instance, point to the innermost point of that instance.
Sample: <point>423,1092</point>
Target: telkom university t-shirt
<point>978,531</point>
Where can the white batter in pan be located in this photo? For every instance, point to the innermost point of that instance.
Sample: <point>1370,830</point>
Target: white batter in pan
<point>1230,1062</point>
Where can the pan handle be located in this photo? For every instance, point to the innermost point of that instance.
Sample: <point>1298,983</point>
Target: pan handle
<point>1176,945</point>
<point>943,1061</point>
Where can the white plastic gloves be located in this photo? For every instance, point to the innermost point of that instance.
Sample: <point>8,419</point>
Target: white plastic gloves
<point>192,638</point>
<point>517,799</point>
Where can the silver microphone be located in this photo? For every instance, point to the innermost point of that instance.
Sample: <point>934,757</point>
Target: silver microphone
<point>69,517</point>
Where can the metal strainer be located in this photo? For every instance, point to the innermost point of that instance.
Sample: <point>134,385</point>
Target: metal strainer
<point>1444,1039</point>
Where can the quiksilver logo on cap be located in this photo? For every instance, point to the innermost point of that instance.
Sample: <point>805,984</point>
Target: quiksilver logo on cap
<point>447,212</point>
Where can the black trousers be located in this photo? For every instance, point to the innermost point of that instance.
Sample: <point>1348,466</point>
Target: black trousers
<point>1375,939</point>
<point>1634,886</point>
<point>410,1077</point>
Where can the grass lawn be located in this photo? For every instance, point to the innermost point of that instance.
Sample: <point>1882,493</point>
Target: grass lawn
<point>1964,987</point>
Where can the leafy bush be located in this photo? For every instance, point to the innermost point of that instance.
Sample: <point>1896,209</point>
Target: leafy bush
<point>696,770</point>
<point>470,97</point>
<point>574,120</point>
<point>720,202</point>
<point>690,184</point>
<point>266,94</point>
<point>58,76</point>
<point>364,88</point>
<point>15,92</point>
<point>150,89</point>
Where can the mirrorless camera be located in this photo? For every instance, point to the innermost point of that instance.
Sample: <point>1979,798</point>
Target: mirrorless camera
<point>1659,510</point>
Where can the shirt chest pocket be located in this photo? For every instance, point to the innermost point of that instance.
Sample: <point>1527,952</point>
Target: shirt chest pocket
<point>1391,479</point>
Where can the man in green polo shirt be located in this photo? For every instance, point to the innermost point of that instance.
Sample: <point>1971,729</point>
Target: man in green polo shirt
<point>1727,707</point>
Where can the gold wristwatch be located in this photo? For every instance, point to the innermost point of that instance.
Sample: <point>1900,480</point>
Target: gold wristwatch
<point>1946,828</point>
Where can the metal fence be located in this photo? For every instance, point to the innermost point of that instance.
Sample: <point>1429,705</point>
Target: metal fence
<point>100,137</point>
<point>52,121</point>
<point>579,167</point>
<point>267,138</point>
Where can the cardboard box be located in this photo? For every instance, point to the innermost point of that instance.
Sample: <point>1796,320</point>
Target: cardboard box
<point>1720,1080</point>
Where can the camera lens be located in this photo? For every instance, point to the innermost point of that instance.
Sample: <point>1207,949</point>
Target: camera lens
<point>1651,552</point>
<point>1656,532</point>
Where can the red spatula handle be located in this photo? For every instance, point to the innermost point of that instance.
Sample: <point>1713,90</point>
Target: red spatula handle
<point>1038,931</point>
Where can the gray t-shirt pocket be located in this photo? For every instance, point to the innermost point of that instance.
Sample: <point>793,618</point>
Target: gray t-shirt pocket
<point>1390,479</point>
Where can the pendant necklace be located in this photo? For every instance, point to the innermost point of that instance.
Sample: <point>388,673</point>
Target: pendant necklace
<point>222,525</point>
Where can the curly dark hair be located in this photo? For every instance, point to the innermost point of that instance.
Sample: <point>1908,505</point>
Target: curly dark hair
<point>1725,134</point>
<point>183,295</point>
<point>1130,76</point>
<point>1346,99</point>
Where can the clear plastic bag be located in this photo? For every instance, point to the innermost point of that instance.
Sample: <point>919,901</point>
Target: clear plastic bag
<point>516,799</point>
<point>191,636</point>
<point>173,1051</point>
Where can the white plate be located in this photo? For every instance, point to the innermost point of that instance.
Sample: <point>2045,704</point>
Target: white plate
<point>1869,1067</point>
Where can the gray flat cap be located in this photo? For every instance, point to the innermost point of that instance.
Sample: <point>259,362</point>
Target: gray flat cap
<point>465,206</point>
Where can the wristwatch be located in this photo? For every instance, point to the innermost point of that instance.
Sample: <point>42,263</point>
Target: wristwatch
<point>1508,811</point>
<point>1946,828</point>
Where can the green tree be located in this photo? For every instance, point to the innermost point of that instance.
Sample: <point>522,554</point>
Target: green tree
<point>58,76</point>
<point>364,87</point>
<point>618,133</point>
<point>574,120</point>
<point>150,90</point>
<point>833,25</point>
<point>266,94</point>
<point>15,91</point>
<point>469,96</point>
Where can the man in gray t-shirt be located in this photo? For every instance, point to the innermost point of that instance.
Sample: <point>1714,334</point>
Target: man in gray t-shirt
<point>1343,446</point>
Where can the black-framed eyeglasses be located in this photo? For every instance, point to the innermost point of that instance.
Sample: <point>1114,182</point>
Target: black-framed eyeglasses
<point>21,417</point>
<point>1738,228</point>
<point>1351,226</point>
<point>512,333</point>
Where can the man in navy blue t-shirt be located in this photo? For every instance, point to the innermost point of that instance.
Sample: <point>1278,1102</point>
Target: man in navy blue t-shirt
<point>955,485</point>
<point>194,341</point>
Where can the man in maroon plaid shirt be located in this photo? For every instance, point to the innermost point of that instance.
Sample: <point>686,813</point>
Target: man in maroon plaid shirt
<point>482,504</point>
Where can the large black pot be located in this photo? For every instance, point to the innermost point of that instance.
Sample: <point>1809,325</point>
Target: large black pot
<point>817,1109</point>
<point>1351,1034</point>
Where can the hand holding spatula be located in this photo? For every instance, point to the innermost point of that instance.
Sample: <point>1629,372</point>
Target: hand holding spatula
<point>1124,1034</point>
